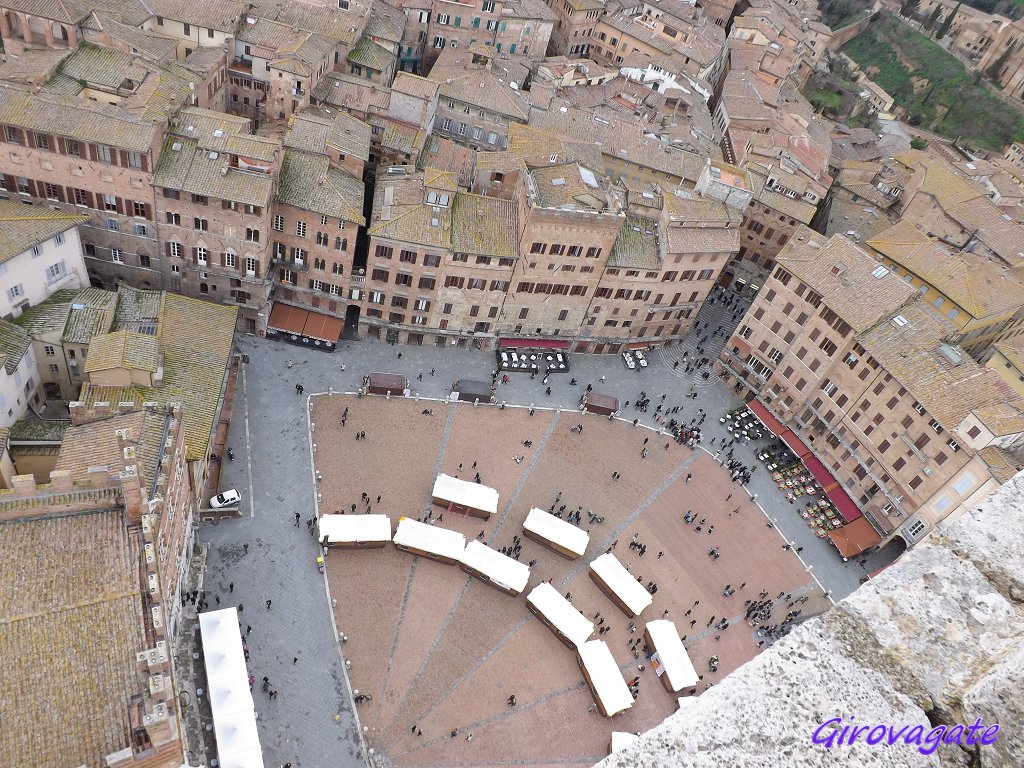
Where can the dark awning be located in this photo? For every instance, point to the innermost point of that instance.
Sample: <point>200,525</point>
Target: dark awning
<point>765,416</point>
<point>288,319</point>
<point>854,538</point>
<point>532,344</point>
<point>789,437</point>
<point>835,492</point>
<point>323,327</point>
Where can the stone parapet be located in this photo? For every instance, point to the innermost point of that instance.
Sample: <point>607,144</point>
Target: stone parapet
<point>936,639</point>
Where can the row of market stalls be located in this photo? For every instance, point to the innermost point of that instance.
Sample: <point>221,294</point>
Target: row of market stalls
<point>506,574</point>
<point>827,508</point>
<point>228,690</point>
<point>304,328</point>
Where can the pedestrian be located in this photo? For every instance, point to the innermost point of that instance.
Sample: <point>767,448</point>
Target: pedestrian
<point>248,629</point>
<point>469,737</point>
<point>240,607</point>
<point>454,732</point>
<point>295,660</point>
<point>413,729</point>
<point>245,549</point>
<point>268,604</point>
<point>297,518</point>
<point>231,586</point>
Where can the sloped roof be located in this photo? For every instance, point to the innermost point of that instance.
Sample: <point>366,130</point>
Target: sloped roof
<point>844,275</point>
<point>977,285</point>
<point>123,349</point>
<point>307,181</point>
<point>69,633</point>
<point>23,227</point>
<point>485,226</point>
<point>14,343</point>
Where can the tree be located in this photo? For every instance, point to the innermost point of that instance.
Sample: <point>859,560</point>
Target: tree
<point>908,8</point>
<point>947,23</point>
<point>933,18</point>
<point>918,143</point>
<point>996,67</point>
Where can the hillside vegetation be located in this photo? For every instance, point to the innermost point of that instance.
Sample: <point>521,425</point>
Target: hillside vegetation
<point>938,94</point>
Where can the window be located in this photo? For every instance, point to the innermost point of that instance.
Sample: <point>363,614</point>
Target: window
<point>174,249</point>
<point>338,268</point>
<point>56,271</point>
<point>141,230</point>
<point>109,203</point>
<point>37,250</point>
<point>51,191</point>
<point>426,283</point>
<point>54,368</point>
<point>443,18</point>
<point>252,235</point>
<point>49,351</point>
<point>954,445</point>
<point>936,427</point>
<point>439,43</point>
<point>112,224</point>
<point>11,135</point>
<point>15,292</point>
<point>403,278</point>
<point>300,228</point>
<point>42,141</point>
<point>279,222</point>
<point>134,160</point>
<point>103,154</point>
<point>144,261</point>
<point>201,225</point>
<point>117,255</point>
<point>409,257</point>
<point>200,254</point>
<point>229,260</point>
<point>250,265</point>
<point>384,252</point>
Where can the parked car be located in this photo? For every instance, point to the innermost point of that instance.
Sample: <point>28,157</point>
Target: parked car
<point>230,498</point>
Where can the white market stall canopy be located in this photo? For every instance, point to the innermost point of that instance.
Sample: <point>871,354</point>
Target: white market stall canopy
<point>355,529</point>
<point>563,535</point>
<point>503,571</point>
<point>429,540</point>
<point>606,682</point>
<point>558,611</point>
<point>234,714</point>
<point>465,494</point>
<point>624,590</point>
<point>670,655</point>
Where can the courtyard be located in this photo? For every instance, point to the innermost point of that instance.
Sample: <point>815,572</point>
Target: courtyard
<point>439,651</point>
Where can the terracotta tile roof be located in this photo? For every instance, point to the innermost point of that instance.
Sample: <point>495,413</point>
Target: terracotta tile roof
<point>31,429</point>
<point>845,276</point>
<point>23,227</point>
<point>103,67</point>
<point>69,633</point>
<point>977,285</point>
<point>221,15</point>
<point>14,344</point>
<point>190,168</point>
<point>908,350</point>
<point>534,142</point>
<point>77,315</point>
<point>414,85</point>
<point>636,247</point>
<point>570,186</point>
<point>351,94</point>
<point>445,155</point>
<point>386,22</point>
<point>221,132</point>
<point>1013,350</point>
<point>33,66</point>
<point>123,349</point>
<point>150,46</point>
<point>339,132</point>
<point>303,54</point>
<point>485,226</point>
<point>83,120</point>
<point>480,88</point>
<point>400,213</point>
<point>398,136</point>
<point>1003,419</point>
<point>1001,463</point>
<point>96,444</point>
<point>368,53</point>
<point>307,181</point>
<point>326,20</point>
<point>800,210</point>
<point>196,339</point>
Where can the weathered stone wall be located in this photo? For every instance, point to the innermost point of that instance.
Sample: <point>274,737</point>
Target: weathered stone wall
<point>843,35</point>
<point>938,638</point>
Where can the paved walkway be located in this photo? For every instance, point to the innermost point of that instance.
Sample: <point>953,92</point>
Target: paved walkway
<point>272,470</point>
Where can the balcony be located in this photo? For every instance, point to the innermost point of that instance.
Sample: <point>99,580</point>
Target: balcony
<point>298,92</point>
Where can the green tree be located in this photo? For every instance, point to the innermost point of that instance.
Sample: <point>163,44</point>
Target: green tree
<point>997,66</point>
<point>930,22</point>
<point>947,23</point>
<point>908,8</point>
<point>918,143</point>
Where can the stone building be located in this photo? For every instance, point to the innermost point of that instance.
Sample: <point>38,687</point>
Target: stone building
<point>574,26</point>
<point>842,351</point>
<point>117,517</point>
<point>213,191</point>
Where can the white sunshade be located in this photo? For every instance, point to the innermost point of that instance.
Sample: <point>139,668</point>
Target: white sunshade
<point>559,611</point>
<point>234,715</point>
<point>618,580</point>
<point>605,677</point>
<point>499,568</point>
<point>622,739</point>
<point>467,494</point>
<point>349,529</point>
<point>673,656</point>
<point>429,538</point>
<point>557,531</point>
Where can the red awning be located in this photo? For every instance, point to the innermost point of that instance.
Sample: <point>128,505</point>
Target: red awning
<point>765,416</point>
<point>835,492</point>
<point>532,344</point>
<point>323,327</point>
<point>854,538</point>
<point>795,444</point>
<point>288,319</point>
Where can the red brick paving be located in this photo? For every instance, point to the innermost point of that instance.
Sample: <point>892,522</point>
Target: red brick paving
<point>486,645</point>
